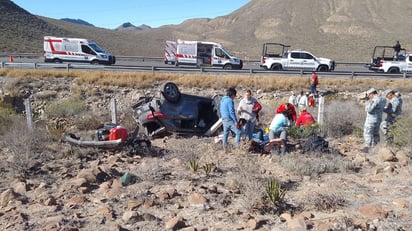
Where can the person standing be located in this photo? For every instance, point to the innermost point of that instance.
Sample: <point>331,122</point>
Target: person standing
<point>293,99</point>
<point>303,101</point>
<point>392,110</point>
<point>397,49</point>
<point>228,116</point>
<point>314,83</point>
<point>245,111</point>
<point>374,109</point>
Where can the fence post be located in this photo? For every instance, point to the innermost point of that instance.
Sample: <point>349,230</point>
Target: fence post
<point>27,105</point>
<point>113,110</point>
<point>321,109</point>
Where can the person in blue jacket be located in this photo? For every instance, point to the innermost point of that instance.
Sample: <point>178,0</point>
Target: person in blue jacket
<point>229,119</point>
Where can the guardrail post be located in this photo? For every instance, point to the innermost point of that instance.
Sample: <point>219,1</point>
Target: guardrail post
<point>27,105</point>
<point>35,66</point>
<point>68,67</point>
<point>114,110</point>
<point>352,75</point>
<point>404,75</point>
<point>1,64</point>
<point>301,72</point>
<point>153,69</point>
<point>201,69</point>
<point>251,71</point>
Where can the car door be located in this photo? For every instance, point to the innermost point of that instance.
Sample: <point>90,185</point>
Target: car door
<point>308,61</point>
<point>295,61</point>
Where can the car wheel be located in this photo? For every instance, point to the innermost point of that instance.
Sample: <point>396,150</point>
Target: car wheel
<point>276,67</point>
<point>228,67</point>
<point>171,92</point>
<point>57,61</point>
<point>393,70</point>
<point>95,62</point>
<point>323,68</point>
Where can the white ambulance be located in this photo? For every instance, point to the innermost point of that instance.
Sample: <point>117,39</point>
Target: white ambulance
<point>197,53</point>
<point>58,50</point>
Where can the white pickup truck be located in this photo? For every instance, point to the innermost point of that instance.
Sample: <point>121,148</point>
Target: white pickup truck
<point>276,57</point>
<point>400,66</point>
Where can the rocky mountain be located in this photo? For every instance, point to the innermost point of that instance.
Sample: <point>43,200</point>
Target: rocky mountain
<point>78,21</point>
<point>340,29</point>
<point>127,26</point>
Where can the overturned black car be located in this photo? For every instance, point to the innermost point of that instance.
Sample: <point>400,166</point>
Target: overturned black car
<point>174,112</point>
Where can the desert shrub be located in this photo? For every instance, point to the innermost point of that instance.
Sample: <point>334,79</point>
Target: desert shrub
<point>6,117</point>
<point>273,191</point>
<point>401,131</point>
<point>302,133</point>
<point>87,122</point>
<point>316,164</point>
<point>342,117</point>
<point>327,201</point>
<point>250,183</point>
<point>64,108</point>
<point>24,148</point>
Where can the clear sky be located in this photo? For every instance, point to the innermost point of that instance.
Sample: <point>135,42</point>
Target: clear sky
<point>112,13</point>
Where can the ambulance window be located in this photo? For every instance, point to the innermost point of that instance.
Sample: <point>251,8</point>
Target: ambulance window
<point>220,53</point>
<point>87,50</point>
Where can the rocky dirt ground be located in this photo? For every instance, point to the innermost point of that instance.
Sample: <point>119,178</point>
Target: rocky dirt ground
<point>73,188</point>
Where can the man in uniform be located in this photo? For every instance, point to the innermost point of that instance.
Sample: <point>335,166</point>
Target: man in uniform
<point>374,109</point>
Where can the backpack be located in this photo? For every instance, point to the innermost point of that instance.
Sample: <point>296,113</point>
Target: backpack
<point>316,144</point>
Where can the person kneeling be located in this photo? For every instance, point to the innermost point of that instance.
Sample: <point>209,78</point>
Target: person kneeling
<point>277,130</point>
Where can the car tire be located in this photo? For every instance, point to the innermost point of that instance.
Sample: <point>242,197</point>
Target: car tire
<point>323,68</point>
<point>57,61</point>
<point>171,92</point>
<point>393,70</point>
<point>276,67</point>
<point>95,62</point>
<point>228,67</point>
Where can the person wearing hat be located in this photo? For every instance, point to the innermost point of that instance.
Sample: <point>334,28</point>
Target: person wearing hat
<point>228,116</point>
<point>374,109</point>
<point>293,99</point>
<point>305,119</point>
<point>392,109</point>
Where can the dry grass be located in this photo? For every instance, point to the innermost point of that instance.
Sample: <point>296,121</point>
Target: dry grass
<point>143,80</point>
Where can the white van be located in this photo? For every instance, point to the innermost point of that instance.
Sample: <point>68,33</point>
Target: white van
<point>75,50</point>
<point>197,53</point>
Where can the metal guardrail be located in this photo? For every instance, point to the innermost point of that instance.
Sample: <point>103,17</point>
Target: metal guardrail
<point>144,58</point>
<point>251,71</point>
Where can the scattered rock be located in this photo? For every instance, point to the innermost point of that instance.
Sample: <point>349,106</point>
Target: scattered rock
<point>175,223</point>
<point>197,200</point>
<point>385,154</point>
<point>6,197</point>
<point>372,212</point>
<point>130,217</point>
